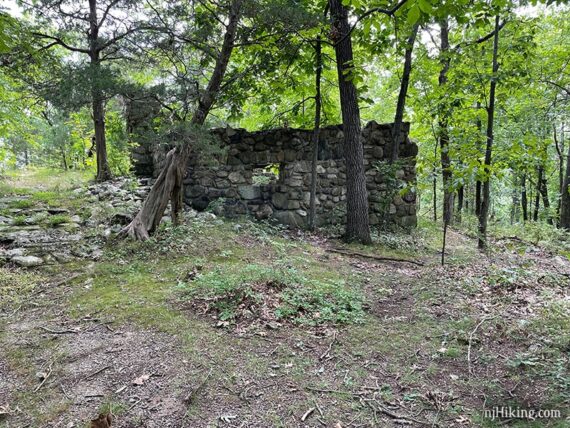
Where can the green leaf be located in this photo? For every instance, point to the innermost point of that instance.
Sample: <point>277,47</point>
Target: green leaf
<point>425,6</point>
<point>414,14</point>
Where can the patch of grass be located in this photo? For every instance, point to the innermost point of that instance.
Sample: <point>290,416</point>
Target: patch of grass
<point>15,286</point>
<point>19,220</point>
<point>21,204</point>
<point>50,198</point>
<point>274,293</point>
<point>57,219</point>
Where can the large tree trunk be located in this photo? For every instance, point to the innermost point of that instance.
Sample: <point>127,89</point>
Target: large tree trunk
<point>402,95</point>
<point>560,151</point>
<point>543,189</point>
<point>478,184</point>
<point>97,96</point>
<point>486,196</point>
<point>565,198</point>
<point>316,133</point>
<point>103,170</point>
<point>443,127</point>
<point>169,184</point>
<point>537,195</point>
<point>357,221</point>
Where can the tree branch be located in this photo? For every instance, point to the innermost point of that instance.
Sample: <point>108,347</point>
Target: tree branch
<point>60,42</point>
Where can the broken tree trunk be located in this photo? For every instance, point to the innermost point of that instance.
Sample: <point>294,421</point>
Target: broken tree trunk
<point>169,184</point>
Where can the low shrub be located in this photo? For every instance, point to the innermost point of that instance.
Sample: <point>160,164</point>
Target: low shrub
<point>273,294</point>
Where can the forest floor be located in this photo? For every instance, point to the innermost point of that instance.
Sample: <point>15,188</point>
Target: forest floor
<point>231,323</point>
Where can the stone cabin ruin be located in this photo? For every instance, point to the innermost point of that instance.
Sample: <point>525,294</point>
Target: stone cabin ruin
<point>267,174</point>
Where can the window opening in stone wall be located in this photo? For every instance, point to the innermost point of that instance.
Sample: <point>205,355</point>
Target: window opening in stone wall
<point>267,175</point>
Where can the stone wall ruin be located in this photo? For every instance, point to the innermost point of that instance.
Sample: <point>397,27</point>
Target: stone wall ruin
<point>267,174</point>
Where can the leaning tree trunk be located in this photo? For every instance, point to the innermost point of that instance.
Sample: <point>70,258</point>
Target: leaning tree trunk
<point>395,152</point>
<point>169,184</point>
<point>357,220</point>
<point>486,194</point>
<point>316,134</point>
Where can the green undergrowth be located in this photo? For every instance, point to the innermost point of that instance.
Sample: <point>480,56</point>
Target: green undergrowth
<point>282,292</point>
<point>235,267</point>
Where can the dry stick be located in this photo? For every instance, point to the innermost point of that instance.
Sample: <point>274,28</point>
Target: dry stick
<point>195,391</point>
<point>471,340</point>
<point>307,414</point>
<point>59,331</point>
<point>45,378</point>
<point>329,348</point>
<point>393,415</point>
<point>96,372</point>
<point>371,256</point>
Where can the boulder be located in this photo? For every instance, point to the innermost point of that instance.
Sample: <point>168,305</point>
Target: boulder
<point>27,261</point>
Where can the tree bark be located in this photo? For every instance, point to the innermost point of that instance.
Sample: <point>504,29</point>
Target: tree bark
<point>537,195</point>
<point>316,133</point>
<point>486,194</point>
<point>443,127</point>
<point>97,97</point>
<point>560,152</point>
<point>565,198</point>
<point>399,117</point>
<point>460,199</point>
<point>169,184</point>
<point>357,220</point>
<point>543,189</point>
<point>478,184</point>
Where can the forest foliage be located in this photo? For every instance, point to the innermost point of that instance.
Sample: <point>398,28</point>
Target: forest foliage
<point>52,75</point>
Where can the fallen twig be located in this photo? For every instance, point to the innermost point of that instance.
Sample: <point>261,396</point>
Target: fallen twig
<point>96,372</point>
<point>48,374</point>
<point>372,256</point>
<point>49,330</point>
<point>307,414</point>
<point>324,354</point>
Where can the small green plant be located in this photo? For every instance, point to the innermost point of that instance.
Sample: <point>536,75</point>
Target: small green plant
<point>524,361</point>
<point>274,293</point>
<point>19,220</point>
<point>50,198</point>
<point>21,204</point>
<point>57,219</point>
